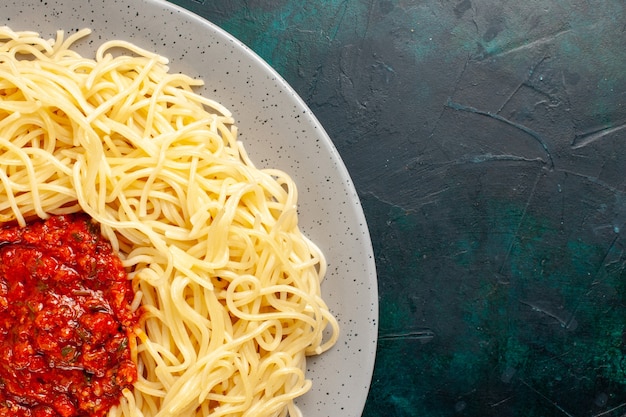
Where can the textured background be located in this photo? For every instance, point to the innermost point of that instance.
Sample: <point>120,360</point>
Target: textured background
<point>487,142</point>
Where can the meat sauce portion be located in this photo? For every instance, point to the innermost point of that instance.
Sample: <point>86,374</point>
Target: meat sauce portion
<point>65,320</point>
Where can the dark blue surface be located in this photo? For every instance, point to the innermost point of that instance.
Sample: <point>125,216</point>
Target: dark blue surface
<point>487,141</point>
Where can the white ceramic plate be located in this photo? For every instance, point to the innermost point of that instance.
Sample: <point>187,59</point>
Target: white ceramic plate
<point>279,131</point>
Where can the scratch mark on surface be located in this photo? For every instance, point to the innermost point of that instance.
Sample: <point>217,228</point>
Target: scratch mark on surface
<point>517,47</point>
<point>594,180</point>
<point>536,136</point>
<point>370,8</point>
<point>404,209</point>
<point>499,403</point>
<point>340,22</point>
<point>519,224</point>
<point>569,323</point>
<point>424,336</point>
<point>510,97</point>
<point>455,88</point>
<point>583,140</point>
<point>554,403</point>
<point>491,157</point>
<point>461,74</point>
<point>610,411</point>
<point>313,85</point>
<point>423,200</point>
<point>524,82</point>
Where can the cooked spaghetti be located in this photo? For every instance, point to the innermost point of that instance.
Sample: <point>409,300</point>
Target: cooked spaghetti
<point>227,285</point>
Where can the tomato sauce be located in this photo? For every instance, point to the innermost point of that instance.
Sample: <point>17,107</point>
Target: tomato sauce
<point>65,320</point>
